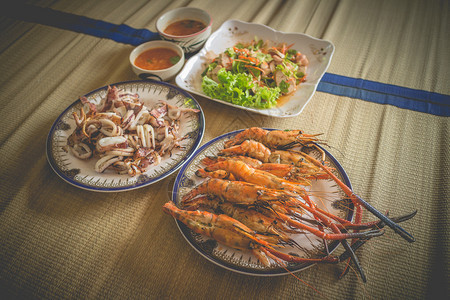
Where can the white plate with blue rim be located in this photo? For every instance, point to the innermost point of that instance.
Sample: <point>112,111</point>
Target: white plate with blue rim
<point>319,53</point>
<point>81,173</point>
<point>324,192</point>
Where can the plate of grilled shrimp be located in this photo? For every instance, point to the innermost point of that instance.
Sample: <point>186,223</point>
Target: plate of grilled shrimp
<point>263,202</point>
<point>125,136</point>
<point>270,202</point>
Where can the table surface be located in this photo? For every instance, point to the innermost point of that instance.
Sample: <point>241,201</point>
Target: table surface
<point>58,241</point>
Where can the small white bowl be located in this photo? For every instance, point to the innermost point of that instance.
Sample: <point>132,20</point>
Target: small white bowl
<point>189,43</point>
<point>164,74</point>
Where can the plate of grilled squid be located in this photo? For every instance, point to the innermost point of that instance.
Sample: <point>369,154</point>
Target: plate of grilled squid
<point>125,136</point>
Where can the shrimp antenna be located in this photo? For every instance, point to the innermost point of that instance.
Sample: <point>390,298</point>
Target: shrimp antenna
<point>291,243</point>
<point>281,264</point>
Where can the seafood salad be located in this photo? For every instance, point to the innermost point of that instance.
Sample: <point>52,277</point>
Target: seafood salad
<point>123,134</point>
<point>254,75</point>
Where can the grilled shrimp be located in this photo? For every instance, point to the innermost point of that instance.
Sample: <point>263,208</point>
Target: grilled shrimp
<point>289,172</point>
<point>275,138</point>
<point>257,221</point>
<point>233,233</point>
<point>255,163</point>
<point>238,192</point>
<point>257,150</point>
<point>244,172</point>
<point>250,148</point>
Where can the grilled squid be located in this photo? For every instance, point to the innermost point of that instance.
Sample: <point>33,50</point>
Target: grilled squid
<point>123,134</point>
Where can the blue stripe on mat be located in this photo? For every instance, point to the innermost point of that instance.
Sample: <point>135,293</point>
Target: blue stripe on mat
<point>416,100</point>
<point>382,93</point>
<point>120,33</point>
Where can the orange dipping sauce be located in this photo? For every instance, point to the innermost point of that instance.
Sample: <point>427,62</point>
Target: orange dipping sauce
<point>157,59</point>
<point>184,27</point>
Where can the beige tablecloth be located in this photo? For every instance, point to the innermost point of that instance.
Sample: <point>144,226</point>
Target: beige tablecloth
<point>58,241</point>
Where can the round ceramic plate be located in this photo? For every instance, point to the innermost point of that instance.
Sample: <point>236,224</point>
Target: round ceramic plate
<point>80,173</point>
<point>319,53</point>
<point>325,193</point>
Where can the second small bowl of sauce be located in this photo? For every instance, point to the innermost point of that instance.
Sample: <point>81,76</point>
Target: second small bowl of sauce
<point>159,59</point>
<point>188,27</point>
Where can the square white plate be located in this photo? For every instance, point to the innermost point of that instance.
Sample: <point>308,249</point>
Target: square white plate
<point>318,52</point>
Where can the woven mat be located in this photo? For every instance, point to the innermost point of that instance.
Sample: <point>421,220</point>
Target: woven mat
<point>58,241</point>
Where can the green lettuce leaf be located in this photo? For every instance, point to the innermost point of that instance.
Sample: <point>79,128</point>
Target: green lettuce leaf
<point>240,89</point>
